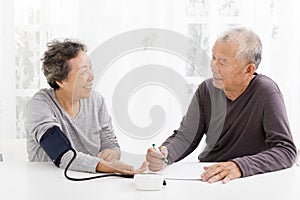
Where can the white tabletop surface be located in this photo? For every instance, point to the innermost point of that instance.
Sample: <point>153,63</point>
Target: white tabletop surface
<point>22,180</point>
<point>25,180</point>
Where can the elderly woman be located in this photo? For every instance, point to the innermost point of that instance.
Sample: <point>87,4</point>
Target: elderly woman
<point>72,108</point>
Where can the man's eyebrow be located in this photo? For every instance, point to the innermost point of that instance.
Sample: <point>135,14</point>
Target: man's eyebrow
<point>223,59</point>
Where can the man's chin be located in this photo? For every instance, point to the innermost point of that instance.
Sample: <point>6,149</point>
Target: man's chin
<point>218,85</point>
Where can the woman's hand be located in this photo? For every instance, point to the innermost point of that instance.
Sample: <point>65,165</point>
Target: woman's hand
<point>120,167</point>
<point>109,154</point>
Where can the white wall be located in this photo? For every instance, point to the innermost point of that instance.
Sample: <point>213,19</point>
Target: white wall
<point>7,82</point>
<point>94,22</point>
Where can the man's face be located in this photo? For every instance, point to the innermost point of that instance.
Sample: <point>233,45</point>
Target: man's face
<point>79,82</point>
<point>228,72</point>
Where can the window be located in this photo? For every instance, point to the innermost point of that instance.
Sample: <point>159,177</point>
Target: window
<point>30,24</point>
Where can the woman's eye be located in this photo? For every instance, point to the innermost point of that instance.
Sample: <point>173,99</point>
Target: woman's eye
<point>83,70</point>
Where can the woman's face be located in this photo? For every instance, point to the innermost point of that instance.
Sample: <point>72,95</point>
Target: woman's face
<point>78,84</point>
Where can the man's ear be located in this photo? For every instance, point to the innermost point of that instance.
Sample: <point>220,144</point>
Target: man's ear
<point>250,68</point>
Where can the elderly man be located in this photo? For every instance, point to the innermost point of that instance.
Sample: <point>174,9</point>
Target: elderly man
<point>72,108</point>
<point>242,114</point>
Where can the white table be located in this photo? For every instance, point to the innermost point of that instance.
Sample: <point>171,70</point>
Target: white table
<point>25,180</point>
<point>13,149</point>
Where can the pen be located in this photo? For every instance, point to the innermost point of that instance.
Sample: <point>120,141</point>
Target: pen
<point>164,158</point>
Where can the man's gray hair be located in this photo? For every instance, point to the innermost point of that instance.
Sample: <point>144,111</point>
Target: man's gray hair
<point>250,47</point>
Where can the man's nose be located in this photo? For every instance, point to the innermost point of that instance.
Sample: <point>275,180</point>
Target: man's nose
<point>214,66</point>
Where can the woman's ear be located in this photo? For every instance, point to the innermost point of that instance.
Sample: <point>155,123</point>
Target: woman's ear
<point>60,83</point>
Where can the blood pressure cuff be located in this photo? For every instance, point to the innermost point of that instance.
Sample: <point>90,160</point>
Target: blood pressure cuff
<point>55,144</point>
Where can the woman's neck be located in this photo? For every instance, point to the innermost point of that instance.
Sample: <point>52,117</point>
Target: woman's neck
<point>68,103</point>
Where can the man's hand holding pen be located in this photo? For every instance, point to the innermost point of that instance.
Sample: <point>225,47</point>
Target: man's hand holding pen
<point>157,159</point>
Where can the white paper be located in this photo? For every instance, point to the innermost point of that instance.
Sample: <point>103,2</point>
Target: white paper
<point>185,170</point>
